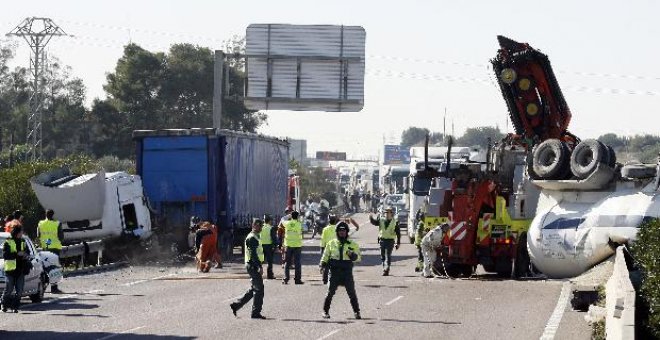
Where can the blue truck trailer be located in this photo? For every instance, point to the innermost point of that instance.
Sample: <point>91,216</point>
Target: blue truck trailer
<point>223,176</point>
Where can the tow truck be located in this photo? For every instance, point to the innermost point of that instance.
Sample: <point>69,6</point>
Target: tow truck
<point>490,205</point>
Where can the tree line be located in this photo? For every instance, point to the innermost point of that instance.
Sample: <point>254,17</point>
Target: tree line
<point>638,148</point>
<point>146,90</point>
<point>476,136</point>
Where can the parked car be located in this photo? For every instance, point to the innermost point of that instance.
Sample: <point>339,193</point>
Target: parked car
<point>389,201</point>
<point>400,213</point>
<point>46,269</point>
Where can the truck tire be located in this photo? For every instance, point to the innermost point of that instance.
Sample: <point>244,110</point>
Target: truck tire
<point>586,157</point>
<point>521,264</point>
<point>612,157</point>
<point>503,267</point>
<point>530,166</point>
<point>550,158</point>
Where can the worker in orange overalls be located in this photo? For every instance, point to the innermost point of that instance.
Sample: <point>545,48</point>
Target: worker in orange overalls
<point>16,222</point>
<point>206,245</point>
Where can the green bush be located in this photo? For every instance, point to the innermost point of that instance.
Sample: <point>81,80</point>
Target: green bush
<point>646,251</point>
<point>16,193</point>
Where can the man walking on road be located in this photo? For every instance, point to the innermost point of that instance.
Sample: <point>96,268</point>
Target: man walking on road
<point>50,235</point>
<point>339,256</point>
<point>268,239</point>
<point>254,257</point>
<point>293,243</point>
<point>388,233</point>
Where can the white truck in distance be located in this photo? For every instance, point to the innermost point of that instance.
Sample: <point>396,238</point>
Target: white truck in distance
<point>418,186</point>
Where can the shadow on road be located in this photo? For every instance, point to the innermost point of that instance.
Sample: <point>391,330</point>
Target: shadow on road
<point>384,286</point>
<point>62,304</point>
<point>48,335</point>
<point>76,315</point>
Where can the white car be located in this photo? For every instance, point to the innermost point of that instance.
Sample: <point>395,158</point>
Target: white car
<point>46,269</point>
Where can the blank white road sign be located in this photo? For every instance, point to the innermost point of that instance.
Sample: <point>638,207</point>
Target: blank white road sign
<point>305,67</point>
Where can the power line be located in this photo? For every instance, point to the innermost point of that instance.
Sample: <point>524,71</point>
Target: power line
<point>372,56</point>
<point>485,81</point>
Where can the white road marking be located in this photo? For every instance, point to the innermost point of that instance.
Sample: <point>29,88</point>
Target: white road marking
<point>555,318</point>
<point>146,280</point>
<point>395,300</point>
<point>68,296</point>
<point>133,283</point>
<point>94,291</point>
<point>329,334</point>
<point>121,333</point>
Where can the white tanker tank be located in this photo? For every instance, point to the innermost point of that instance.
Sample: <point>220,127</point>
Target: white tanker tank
<point>578,223</point>
<point>94,206</point>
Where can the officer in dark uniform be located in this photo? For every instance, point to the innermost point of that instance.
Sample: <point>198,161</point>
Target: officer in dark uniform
<point>339,256</point>
<point>254,257</point>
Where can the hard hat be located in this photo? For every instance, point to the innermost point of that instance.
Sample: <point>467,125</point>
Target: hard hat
<point>332,218</point>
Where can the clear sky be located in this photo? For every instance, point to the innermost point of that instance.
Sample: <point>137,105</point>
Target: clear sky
<point>422,57</point>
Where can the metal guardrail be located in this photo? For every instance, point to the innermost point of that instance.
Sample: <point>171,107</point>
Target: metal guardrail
<point>84,250</point>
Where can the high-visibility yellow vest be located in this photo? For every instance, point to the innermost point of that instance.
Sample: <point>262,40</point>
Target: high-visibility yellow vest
<point>329,233</point>
<point>264,236</point>
<point>293,234</point>
<point>336,250</point>
<point>387,232</point>
<point>10,265</point>
<point>260,249</point>
<point>48,231</point>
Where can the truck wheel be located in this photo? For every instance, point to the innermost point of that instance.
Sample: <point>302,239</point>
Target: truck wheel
<point>549,159</point>
<point>586,156</point>
<point>521,264</point>
<point>530,166</point>
<point>612,157</point>
<point>503,267</point>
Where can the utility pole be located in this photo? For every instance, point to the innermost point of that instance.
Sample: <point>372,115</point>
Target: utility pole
<point>444,126</point>
<point>37,32</point>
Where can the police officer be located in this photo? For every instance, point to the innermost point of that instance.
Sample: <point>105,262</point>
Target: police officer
<point>50,234</point>
<point>339,256</point>
<point>293,243</point>
<point>268,237</point>
<point>388,234</point>
<point>328,234</point>
<point>329,231</point>
<point>430,243</point>
<point>15,254</point>
<point>254,257</point>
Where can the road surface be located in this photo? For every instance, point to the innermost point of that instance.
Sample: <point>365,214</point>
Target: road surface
<point>175,302</point>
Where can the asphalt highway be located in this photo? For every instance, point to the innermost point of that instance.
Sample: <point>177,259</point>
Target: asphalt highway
<point>175,302</point>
